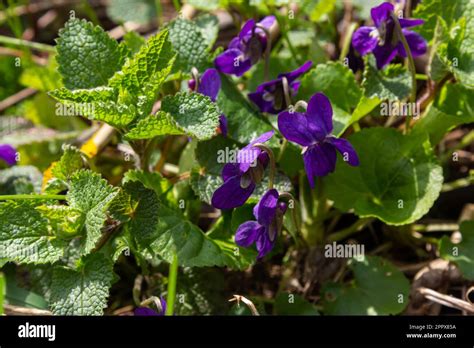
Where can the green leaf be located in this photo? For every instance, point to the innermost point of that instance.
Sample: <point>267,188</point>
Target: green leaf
<point>40,77</point>
<point>202,289</point>
<point>87,56</point>
<point>332,78</point>
<point>321,9</point>
<point>137,11</point>
<point>101,93</point>
<point>167,232</point>
<point>91,195</point>
<point>397,181</point>
<point>430,10</point>
<point>21,297</point>
<point>208,24</point>
<point>153,181</point>
<point>293,304</point>
<point>64,220</point>
<point>133,41</point>
<point>145,213</point>
<point>69,163</point>
<point>205,185</point>
<point>190,44</point>
<point>291,162</point>
<point>392,83</point>
<point>25,236</point>
<point>44,111</point>
<point>461,254</point>
<point>453,106</point>
<point>364,106</point>
<point>116,114</point>
<point>244,123</point>
<point>144,74</point>
<point>379,288</point>
<point>193,247</point>
<point>212,154</point>
<point>455,51</point>
<point>155,125</point>
<point>82,291</point>
<point>20,180</point>
<point>195,113</point>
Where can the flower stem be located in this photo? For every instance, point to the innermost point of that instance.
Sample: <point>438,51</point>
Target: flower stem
<point>347,41</point>
<point>172,280</point>
<point>24,43</point>
<point>320,213</point>
<point>283,147</point>
<point>195,75</point>
<point>411,65</point>
<point>284,33</point>
<point>301,104</point>
<point>354,228</point>
<point>271,156</point>
<point>459,183</point>
<point>286,91</point>
<point>15,197</point>
<point>247,302</point>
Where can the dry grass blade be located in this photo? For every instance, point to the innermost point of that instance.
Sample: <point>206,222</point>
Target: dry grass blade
<point>447,300</point>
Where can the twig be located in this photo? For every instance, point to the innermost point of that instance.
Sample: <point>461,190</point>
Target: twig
<point>40,6</point>
<point>155,300</point>
<point>436,227</point>
<point>465,141</point>
<point>98,141</point>
<point>447,300</point>
<point>16,310</point>
<point>5,51</point>
<point>459,183</point>
<point>24,43</point>
<point>468,294</point>
<point>119,31</point>
<point>413,267</point>
<point>164,152</point>
<point>15,98</point>
<point>107,235</point>
<point>246,301</point>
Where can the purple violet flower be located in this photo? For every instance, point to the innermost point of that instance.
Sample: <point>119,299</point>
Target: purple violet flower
<point>209,85</point>
<point>270,96</point>
<point>312,130</point>
<point>241,178</point>
<point>245,49</point>
<point>146,311</point>
<point>382,39</point>
<point>263,232</point>
<point>8,154</point>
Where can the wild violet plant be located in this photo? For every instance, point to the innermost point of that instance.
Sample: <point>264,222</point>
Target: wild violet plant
<point>285,161</point>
